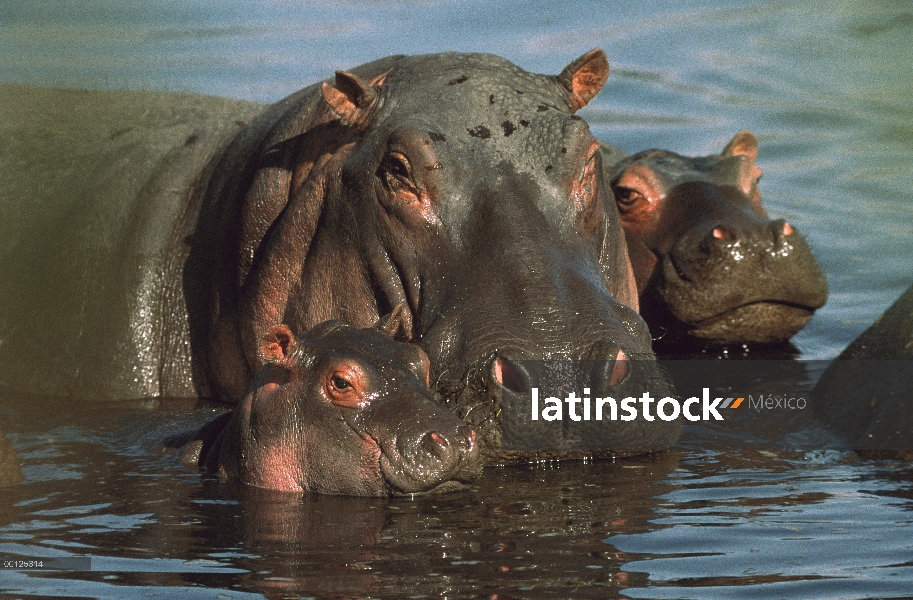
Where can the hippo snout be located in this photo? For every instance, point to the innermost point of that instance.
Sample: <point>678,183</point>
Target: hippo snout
<point>432,460</point>
<point>603,367</point>
<point>754,281</point>
<point>602,371</point>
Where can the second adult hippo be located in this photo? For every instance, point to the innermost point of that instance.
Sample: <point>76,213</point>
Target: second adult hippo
<point>866,394</point>
<point>341,410</point>
<point>157,237</point>
<point>711,267</point>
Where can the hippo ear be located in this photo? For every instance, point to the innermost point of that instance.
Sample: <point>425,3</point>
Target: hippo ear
<point>277,344</point>
<point>397,324</point>
<point>584,77</point>
<point>352,100</point>
<point>743,144</point>
<point>746,144</point>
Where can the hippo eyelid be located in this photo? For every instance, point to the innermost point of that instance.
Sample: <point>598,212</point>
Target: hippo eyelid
<point>398,165</point>
<point>626,195</point>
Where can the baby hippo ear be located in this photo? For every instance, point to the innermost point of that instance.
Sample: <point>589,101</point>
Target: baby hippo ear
<point>352,100</point>
<point>277,345</point>
<point>397,324</point>
<point>584,77</point>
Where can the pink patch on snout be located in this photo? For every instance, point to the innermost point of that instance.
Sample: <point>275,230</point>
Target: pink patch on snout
<point>787,229</point>
<point>499,374</point>
<point>277,468</point>
<point>620,369</point>
<point>270,379</point>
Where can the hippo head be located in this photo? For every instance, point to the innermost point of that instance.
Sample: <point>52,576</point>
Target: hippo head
<point>710,265</point>
<point>343,410</point>
<point>466,189</point>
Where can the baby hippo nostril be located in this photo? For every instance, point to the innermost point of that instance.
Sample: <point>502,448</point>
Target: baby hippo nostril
<point>436,444</point>
<point>511,375</point>
<point>470,436</point>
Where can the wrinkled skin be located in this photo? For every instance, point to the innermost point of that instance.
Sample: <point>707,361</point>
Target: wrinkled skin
<point>711,267</point>
<point>866,394</point>
<point>456,184</point>
<point>157,237</point>
<point>341,410</point>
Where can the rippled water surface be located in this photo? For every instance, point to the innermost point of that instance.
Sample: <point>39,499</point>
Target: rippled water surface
<point>826,87</point>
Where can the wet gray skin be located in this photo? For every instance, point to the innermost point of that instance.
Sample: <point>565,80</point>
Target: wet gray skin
<point>10,472</point>
<point>711,267</point>
<point>178,229</point>
<point>341,410</point>
<point>866,394</point>
<point>456,184</point>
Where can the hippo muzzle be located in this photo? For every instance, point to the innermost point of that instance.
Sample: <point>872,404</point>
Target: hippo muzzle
<point>429,456</point>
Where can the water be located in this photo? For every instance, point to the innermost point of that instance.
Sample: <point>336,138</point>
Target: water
<point>825,86</point>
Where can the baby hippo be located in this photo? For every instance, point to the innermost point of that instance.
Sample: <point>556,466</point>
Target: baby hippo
<point>341,410</point>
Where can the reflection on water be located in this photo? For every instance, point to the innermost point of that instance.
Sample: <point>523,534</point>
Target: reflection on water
<point>824,85</point>
<point>812,526</point>
<point>696,524</point>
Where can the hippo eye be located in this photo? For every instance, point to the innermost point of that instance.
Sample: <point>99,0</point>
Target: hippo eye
<point>627,196</point>
<point>345,385</point>
<point>396,170</point>
<point>339,383</point>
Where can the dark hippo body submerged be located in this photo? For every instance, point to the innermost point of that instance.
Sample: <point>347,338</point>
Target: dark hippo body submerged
<point>157,238</point>
<point>866,394</point>
<point>711,267</point>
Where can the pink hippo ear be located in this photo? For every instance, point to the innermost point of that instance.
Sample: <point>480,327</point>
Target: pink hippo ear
<point>584,77</point>
<point>745,144</point>
<point>352,100</point>
<point>277,345</point>
<point>397,324</point>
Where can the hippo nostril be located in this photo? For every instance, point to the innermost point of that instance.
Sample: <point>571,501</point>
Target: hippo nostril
<point>470,438</point>
<point>724,233</point>
<point>436,444</point>
<point>511,375</point>
<point>620,369</point>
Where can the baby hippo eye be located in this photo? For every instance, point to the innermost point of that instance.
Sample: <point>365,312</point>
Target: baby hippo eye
<point>345,384</point>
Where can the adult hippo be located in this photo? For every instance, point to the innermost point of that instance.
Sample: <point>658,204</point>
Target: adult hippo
<point>165,234</point>
<point>866,394</point>
<point>711,267</point>
<point>10,472</point>
<point>341,410</point>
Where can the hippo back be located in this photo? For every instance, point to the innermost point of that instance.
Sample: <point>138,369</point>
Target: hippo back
<point>94,192</point>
